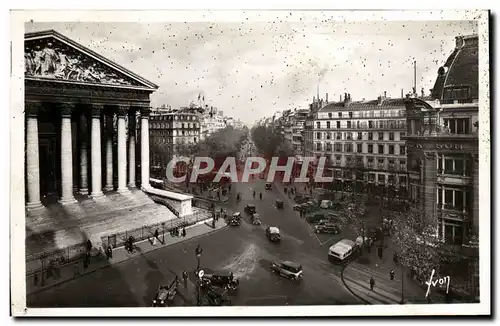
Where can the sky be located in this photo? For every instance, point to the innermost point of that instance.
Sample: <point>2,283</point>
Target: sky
<point>252,69</point>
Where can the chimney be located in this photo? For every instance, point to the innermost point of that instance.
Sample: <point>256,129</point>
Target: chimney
<point>326,99</point>
<point>345,97</point>
<point>349,96</point>
<point>314,99</point>
<point>385,94</point>
<point>340,97</point>
<point>423,92</point>
<point>402,96</point>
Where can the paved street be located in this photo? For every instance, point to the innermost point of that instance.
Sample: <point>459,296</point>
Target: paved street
<point>245,251</point>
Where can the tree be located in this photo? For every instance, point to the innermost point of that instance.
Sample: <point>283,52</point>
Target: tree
<point>416,244</point>
<point>270,142</point>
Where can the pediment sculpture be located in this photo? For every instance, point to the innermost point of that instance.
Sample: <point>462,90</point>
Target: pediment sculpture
<point>49,58</point>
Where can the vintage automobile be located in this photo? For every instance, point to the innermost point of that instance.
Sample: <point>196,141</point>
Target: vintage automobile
<point>250,209</point>
<point>235,219</point>
<point>224,280</point>
<point>273,234</point>
<point>165,294</point>
<point>297,207</point>
<point>279,204</point>
<point>256,219</point>
<point>216,296</point>
<point>331,228</point>
<point>288,269</point>
<point>269,186</point>
<point>315,218</point>
<point>325,204</point>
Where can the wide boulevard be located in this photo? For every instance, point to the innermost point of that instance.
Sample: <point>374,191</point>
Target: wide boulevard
<point>243,250</point>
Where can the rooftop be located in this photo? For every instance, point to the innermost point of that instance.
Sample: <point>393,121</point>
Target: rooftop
<point>461,68</point>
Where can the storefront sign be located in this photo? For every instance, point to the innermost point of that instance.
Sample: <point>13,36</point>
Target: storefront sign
<point>435,146</point>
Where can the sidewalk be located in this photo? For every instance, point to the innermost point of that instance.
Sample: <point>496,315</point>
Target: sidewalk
<point>75,269</point>
<point>356,277</point>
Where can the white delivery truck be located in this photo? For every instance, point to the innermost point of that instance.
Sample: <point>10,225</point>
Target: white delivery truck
<point>342,251</point>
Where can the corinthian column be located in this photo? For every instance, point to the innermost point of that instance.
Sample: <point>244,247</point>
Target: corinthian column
<point>96,152</point>
<point>145,148</point>
<point>66,155</point>
<point>32,157</point>
<point>83,155</point>
<point>122,150</point>
<point>109,151</point>
<point>131,148</point>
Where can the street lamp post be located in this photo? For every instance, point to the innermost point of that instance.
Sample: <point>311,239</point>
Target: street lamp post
<point>163,231</point>
<point>198,252</point>
<point>402,286</point>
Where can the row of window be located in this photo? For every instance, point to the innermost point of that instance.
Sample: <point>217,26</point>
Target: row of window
<point>450,198</point>
<point>161,140</point>
<point>372,162</point>
<point>366,114</point>
<point>453,165</point>
<point>175,133</point>
<point>172,117</point>
<point>188,125</point>
<point>370,124</point>
<point>381,178</point>
<point>359,135</point>
<point>369,148</point>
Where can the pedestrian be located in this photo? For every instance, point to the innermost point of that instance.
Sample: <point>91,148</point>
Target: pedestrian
<point>157,234</point>
<point>372,283</point>
<point>35,279</point>
<point>131,244</point>
<point>229,188</point>
<point>395,258</point>
<point>86,261</point>
<point>184,232</point>
<point>89,245</point>
<point>109,252</point>
<point>391,273</point>
<point>185,278</point>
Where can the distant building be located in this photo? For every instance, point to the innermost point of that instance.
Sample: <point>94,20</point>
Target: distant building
<point>173,132</point>
<point>362,140</point>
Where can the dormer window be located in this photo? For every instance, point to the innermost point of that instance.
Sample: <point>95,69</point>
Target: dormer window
<point>456,93</point>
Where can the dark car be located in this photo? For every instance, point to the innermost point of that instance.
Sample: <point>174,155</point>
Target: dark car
<point>269,186</point>
<point>328,228</point>
<point>225,280</point>
<point>215,296</point>
<point>256,219</point>
<point>315,218</point>
<point>235,219</point>
<point>165,294</point>
<point>297,208</point>
<point>279,204</point>
<point>250,209</point>
<point>273,234</point>
<point>288,269</point>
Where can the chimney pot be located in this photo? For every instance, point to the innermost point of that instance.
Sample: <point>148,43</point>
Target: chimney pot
<point>326,99</point>
<point>385,93</point>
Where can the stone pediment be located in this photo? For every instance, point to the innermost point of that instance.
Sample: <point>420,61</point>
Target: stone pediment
<point>49,55</point>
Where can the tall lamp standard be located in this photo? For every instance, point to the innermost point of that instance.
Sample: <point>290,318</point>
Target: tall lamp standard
<point>198,252</point>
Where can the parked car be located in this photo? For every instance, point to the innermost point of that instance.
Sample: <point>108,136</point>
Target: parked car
<point>342,251</point>
<point>273,234</point>
<point>315,218</point>
<point>328,228</point>
<point>256,219</point>
<point>250,209</point>
<point>235,219</point>
<point>225,280</point>
<point>297,207</point>
<point>336,218</point>
<point>288,269</point>
<point>325,204</point>
<point>279,204</point>
<point>269,186</point>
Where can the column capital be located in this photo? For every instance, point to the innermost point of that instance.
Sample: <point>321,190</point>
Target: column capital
<point>66,109</point>
<point>122,110</point>
<point>145,112</point>
<point>32,109</point>
<point>96,110</point>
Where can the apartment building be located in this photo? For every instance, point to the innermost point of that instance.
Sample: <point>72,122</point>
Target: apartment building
<point>362,140</point>
<point>171,131</point>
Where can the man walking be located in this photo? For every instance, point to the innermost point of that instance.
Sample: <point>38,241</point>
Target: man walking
<point>391,273</point>
<point>372,283</point>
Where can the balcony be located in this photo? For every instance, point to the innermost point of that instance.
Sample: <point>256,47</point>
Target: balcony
<point>456,180</point>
